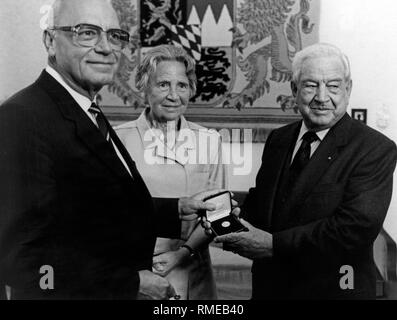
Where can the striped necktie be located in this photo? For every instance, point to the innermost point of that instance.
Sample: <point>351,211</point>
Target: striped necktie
<point>100,119</point>
<point>103,126</point>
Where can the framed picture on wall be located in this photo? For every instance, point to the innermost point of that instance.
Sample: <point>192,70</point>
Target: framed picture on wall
<point>243,70</point>
<point>360,114</point>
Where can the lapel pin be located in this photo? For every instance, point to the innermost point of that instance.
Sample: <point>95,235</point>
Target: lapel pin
<point>329,158</point>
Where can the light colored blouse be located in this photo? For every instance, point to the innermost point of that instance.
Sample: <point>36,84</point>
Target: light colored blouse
<point>190,165</point>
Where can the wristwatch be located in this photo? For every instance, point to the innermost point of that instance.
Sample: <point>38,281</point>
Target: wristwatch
<point>189,248</point>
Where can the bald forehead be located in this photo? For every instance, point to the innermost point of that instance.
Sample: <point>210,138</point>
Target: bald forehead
<point>73,12</point>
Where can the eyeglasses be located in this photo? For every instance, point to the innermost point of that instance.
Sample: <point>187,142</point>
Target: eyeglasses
<point>89,35</point>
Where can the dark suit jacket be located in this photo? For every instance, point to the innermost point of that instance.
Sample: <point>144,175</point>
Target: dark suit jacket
<point>330,217</point>
<point>67,201</point>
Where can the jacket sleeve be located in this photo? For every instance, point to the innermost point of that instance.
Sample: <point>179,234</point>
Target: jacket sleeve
<point>27,191</point>
<point>168,224</point>
<point>29,205</point>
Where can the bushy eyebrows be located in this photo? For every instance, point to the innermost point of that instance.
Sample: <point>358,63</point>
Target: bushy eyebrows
<point>168,82</point>
<point>335,80</point>
<point>166,79</point>
<point>317,81</point>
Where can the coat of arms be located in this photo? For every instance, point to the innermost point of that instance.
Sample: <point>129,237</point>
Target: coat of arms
<point>243,48</point>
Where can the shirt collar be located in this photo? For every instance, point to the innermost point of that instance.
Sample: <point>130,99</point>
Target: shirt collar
<point>320,134</point>
<point>145,129</point>
<point>81,100</point>
<point>152,141</point>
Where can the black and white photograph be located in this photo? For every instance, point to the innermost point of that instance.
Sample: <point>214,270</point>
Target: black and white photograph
<point>216,152</point>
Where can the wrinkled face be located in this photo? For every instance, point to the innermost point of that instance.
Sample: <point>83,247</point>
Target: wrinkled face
<point>169,92</point>
<point>322,92</point>
<point>82,67</point>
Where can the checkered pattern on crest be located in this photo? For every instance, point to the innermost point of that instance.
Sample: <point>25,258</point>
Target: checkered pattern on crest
<point>189,37</point>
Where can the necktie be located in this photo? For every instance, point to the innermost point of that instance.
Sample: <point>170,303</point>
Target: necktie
<point>100,119</point>
<point>302,157</point>
<point>103,126</point>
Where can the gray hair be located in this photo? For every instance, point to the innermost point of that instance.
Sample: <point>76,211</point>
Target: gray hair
<point>316,51</point>
<point>55,11</point>
<point>153,57</point>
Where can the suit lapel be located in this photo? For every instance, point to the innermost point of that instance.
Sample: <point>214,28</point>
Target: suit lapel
<point>124,153</point>
<point>86,130</point>
<point>325,154</point>
<point>277,162</point>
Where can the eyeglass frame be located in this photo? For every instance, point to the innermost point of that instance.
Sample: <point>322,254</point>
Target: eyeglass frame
<point>74,30</point>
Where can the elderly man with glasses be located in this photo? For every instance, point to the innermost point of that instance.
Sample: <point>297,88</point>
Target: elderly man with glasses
<point>76,219</point>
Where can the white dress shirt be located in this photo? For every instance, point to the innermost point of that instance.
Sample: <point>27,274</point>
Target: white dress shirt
<point>84,103</point>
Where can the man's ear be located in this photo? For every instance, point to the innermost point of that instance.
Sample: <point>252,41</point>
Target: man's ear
<point>294,88</point>
<point>349,87</point>
<point>49,43</point>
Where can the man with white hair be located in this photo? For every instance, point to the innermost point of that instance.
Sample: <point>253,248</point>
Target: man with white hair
<point>76,219</point>
<point>321,194</point>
